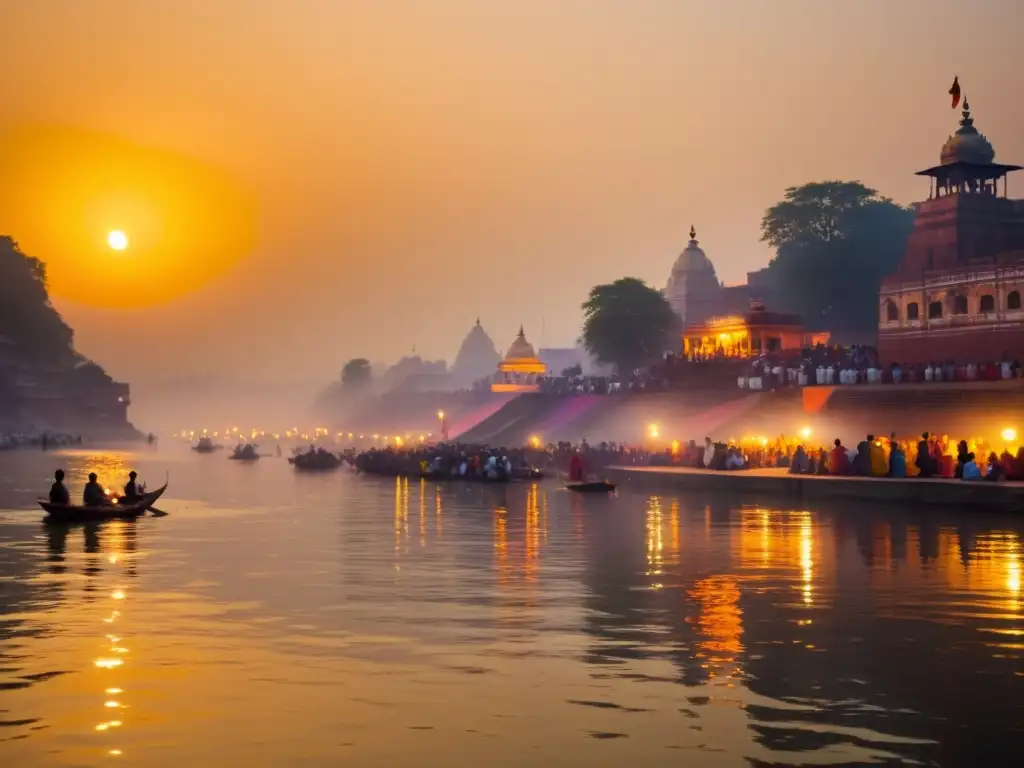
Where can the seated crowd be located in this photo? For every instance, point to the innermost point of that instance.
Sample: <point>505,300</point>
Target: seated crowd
<point>930,456</point>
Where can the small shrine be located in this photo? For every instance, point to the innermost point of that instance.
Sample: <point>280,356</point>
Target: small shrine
<point>520,369</point>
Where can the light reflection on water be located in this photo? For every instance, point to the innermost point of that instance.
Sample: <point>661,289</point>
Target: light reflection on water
<point>274,618</point>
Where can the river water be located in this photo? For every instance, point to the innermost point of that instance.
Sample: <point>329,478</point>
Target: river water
<point>280,619</point>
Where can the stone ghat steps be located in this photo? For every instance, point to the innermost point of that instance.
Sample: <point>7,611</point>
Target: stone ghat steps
<point>682,416</point>
<point>514,423</point>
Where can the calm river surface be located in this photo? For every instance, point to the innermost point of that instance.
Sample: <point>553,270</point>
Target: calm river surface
<point>280,619</point>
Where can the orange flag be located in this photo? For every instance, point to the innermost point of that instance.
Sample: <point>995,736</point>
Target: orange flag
<point>954,91</point>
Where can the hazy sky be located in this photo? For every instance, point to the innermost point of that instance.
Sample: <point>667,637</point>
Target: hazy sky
<point>413,165</point>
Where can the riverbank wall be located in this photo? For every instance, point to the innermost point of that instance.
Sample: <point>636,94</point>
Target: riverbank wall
<point>762,485</point>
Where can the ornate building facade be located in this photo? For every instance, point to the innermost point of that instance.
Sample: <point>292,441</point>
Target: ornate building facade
<point>957,293</point>
<point>693,289</point>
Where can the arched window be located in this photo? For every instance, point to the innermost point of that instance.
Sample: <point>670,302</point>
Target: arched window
<point>913,313</point>
<point>935,310</point>
<point>1013,300</point>
<point>987,304</point>
<point>892,312</point>
<point>959,304</point>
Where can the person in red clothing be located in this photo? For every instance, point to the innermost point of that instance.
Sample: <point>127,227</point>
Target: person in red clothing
<point>838,461</point>
<point>576,468</point>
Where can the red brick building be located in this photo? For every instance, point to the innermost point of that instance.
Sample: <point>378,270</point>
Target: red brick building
<point>957,294</point>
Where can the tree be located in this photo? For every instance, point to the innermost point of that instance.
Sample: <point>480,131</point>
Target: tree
<point>627,323</point>
<point>834,242</point>
<point>26,316</point>
<point>356,374</point>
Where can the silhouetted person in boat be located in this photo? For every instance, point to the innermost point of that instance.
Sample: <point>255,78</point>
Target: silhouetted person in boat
<point>93,495</point>
<point>58,491</point>
<point>131,491</point>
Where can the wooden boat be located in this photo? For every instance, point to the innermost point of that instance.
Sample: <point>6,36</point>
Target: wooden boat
<point>315,461</point>
<point>591,486</point>
<point>69,513</point>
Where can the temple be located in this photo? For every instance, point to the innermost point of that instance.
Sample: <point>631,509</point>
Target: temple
<point>957,293</point>
<point>693,289</point>
<point>520,369</point>
<point>748,335</point>
<point>476,359</point>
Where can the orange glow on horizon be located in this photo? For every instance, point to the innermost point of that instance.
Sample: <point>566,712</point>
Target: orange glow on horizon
<point>63,187</point>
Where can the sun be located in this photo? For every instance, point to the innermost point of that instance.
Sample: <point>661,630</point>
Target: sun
<point>117,240</point>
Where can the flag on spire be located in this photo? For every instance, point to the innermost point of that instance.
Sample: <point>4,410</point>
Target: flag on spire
<point>954,91</point>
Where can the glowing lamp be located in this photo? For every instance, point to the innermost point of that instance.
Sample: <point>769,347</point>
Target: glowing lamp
<point>1009,434</point>
<point>805,432</point>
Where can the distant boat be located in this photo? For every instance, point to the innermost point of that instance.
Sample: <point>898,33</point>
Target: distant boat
<point>319,460</point>
<point>245,453</point>
<point>206,445</point>
<point>591,486</point>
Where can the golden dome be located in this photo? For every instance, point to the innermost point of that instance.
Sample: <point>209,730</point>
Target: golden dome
<point>521,349</point>
<point>967,145</point>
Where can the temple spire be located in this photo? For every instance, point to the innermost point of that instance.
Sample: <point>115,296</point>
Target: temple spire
<point>693,232</point>
<point>478,321</point>
<point>967,121</point>
<point>522,333</point>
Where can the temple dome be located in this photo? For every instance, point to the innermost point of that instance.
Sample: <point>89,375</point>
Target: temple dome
<point>693,289</point>
<point>693,259</point>
<point>477,356</point>
<point>967,145</point>
<point>521,349</point>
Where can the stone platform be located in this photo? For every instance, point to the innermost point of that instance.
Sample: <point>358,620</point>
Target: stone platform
<point>755,484</point>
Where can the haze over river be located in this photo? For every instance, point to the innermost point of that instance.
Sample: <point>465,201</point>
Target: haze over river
<point>275,618</point>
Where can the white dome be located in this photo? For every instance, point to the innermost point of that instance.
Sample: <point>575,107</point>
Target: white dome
<point>693,259</point>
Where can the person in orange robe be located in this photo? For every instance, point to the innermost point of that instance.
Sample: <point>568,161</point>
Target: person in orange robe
<point>838,460</point>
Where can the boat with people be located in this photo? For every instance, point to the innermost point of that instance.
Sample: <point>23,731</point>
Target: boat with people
<point>315,459</point>
<point>206,445</point>
<point>118,508</point>
<point>245,452</point>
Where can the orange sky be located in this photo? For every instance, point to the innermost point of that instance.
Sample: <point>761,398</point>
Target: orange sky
<point>416,164</point>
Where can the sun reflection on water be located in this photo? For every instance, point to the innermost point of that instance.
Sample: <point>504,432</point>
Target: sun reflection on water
<point>654,539</point>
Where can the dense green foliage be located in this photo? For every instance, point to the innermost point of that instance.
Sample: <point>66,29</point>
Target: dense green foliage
<point>834,242</point>
<point>628,324</point>
<point>356,375</point>
<point>27,319</point>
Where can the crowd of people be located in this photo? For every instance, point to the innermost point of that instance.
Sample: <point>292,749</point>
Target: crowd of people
<point>454,461</point>
<point>928,456</point>
<point>828,366</point>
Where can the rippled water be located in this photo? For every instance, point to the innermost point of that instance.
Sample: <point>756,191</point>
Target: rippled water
<point>280,619</point>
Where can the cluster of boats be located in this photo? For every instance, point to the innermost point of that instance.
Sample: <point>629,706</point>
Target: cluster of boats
<point>493,468</point>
